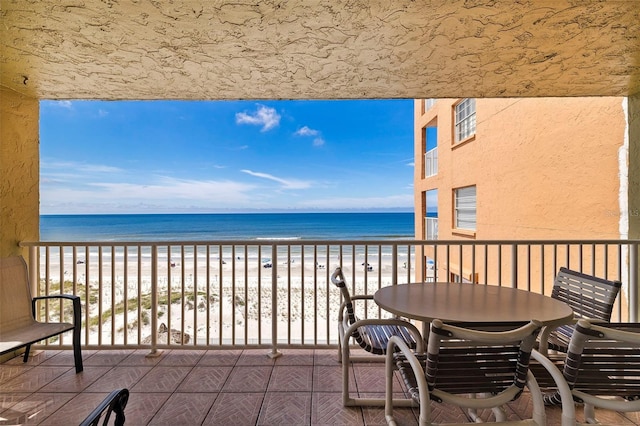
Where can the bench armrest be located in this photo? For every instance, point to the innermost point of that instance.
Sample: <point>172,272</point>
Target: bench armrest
<point>77,316</point>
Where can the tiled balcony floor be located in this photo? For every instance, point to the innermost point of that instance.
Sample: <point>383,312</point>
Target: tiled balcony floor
<point>243,387</point>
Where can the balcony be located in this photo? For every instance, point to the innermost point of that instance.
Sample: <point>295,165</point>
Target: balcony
<point>272,294</point>
<point>247,340</point>
<point>431,228</point>
<point>428,104</point>
<point>431,162</point>
<point>214,387</point>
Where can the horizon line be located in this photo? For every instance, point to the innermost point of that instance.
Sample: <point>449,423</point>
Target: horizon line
<point>270,211</point>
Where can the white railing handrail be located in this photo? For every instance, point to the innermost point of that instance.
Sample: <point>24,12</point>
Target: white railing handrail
<point>280,242</point>
<point>193,286</point>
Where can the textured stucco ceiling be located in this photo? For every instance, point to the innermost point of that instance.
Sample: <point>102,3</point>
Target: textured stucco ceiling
<point>315,49</point>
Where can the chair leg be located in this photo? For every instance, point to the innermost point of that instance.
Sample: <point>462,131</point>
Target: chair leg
<point>77,351</point>
<point>77,330</point>
<point>341,343</point>
<point>350,401</point>
<point>26,353</point>
<point>590,414</point>
<point>344,359</point>
<point>500,413</point>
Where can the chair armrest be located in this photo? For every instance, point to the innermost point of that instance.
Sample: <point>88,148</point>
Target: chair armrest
<point>57,296</point>
<point>77,316</point>
<point>116,401</point>
<point>343,305</point>
<point>362,297</point>
<point>386,321</point>
<point>543,337</point>
<point>396,345</point>
<point>568,405</point>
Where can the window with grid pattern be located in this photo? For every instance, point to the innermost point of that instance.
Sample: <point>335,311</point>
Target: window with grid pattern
<point>465,121</point>
<point>465,208</point>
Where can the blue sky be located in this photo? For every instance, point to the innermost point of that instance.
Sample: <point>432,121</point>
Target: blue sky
<point>225,156</point>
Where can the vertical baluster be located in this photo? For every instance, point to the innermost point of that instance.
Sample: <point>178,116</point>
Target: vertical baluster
<point>274,302</point>
<point>633,282</point>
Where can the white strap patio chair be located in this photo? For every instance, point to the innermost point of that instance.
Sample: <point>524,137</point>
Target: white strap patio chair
<point>372,335</point>
<point>115,402</point>
<point>590,297</point>
<point>601,367</point>
<point>472,369</point>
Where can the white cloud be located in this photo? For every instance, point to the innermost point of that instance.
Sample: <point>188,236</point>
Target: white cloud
<point>264,116</point>
<point>75,187</point>
<point>69,166</point>
<point>171,188</point>
<point>286,183</point>
<point>306,131</point>
<point>346,203</point>
<point>64,104</point>
<point>161,193</point>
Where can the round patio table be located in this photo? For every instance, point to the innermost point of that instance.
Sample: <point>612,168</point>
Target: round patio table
<point>471,303</point>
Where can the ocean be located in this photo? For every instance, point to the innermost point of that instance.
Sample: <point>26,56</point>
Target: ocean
<point>221,227</point>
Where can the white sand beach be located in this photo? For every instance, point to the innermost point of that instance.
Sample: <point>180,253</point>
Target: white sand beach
<point>221,301</point>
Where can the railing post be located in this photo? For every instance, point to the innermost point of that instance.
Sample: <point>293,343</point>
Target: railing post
<point>154,303</point>
<point>514,265</point>
<point>394,264</point>
<point>33,270</point>
<point>633,283</point>
<point>274,303</point>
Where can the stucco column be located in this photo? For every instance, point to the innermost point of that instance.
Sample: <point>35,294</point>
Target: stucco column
<point>633,125</point>
<point>633,117</point>
<point>19,171</point>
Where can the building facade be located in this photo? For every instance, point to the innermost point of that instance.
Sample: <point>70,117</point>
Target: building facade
<point>525,169</point>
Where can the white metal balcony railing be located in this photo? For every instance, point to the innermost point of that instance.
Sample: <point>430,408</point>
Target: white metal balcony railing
<point>429,103</point>
<point>276,294</point>
<point>431,162</point>
<point>431,228</point>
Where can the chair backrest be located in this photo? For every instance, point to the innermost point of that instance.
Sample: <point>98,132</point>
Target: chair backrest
<point>337,278</point>
<point>604,359</point>
<point>588,296</point>
<point>462,361</point>
<point>15,294</point>
<point>115,402</point>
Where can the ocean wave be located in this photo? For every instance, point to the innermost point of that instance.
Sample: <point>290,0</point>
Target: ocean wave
<point>279,238</point>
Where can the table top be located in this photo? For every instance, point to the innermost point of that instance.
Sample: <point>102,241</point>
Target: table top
<point>472,303</point>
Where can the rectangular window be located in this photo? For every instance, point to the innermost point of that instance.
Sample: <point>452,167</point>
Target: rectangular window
<point>465,208</point>
<point>465,119</point>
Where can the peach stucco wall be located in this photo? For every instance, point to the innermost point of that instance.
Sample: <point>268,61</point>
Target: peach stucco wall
<point>19,171</point>
<point>543,168</point>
